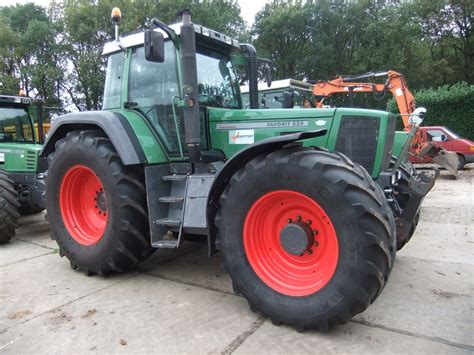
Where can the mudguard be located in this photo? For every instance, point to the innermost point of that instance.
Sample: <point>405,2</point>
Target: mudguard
<point>113,124</point>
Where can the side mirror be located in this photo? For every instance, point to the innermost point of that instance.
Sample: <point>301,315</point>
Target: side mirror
<point>288,99</point>
<point>268,75</point>
<point>154,46</point>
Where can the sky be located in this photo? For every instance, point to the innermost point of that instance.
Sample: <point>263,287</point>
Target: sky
<point>249,8</point>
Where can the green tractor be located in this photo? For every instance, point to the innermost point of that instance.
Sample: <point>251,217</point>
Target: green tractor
<point>21,170</point>
<point>300,203</point>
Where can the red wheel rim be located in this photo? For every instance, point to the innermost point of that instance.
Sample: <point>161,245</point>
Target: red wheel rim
<point>83,205</point>
<point>292,275</point>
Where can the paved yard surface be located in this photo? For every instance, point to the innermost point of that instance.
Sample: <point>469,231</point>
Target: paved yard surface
<point>181,302</point>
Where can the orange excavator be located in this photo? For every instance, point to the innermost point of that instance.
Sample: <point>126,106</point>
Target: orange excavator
<point>410,114</point>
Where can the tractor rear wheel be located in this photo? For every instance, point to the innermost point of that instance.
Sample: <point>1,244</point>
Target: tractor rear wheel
<point>307,237</point>
<point>8,208</point>
<point>96,205</point>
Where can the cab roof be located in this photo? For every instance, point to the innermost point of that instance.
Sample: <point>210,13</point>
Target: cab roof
<point>6,100</point>
<point>138,38</point>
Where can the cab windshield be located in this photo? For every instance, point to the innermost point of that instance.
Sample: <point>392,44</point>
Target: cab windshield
<point>15,125</point>
<point>217,81</point>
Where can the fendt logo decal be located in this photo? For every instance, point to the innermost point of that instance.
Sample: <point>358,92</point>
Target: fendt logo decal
<point>244,136</point>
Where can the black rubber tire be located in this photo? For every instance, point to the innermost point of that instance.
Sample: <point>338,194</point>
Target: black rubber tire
<point>27,209</point>
<point>363,221</point>
<point>8,208</point>
<point>125,243</point>
<point>462,162</point>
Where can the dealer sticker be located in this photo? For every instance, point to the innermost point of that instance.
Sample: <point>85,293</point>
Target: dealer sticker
<point>2,157</point>
<point>242,136</point>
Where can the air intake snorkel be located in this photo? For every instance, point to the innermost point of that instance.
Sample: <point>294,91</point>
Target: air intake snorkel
<point>252,74</point>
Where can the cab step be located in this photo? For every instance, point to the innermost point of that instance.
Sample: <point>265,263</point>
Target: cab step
<point>171,199</point>
<point>166,244</point>
<point>170,222</point>
<point>174,177</point>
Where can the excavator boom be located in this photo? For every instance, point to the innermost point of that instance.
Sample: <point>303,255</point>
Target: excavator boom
<point>397,86</point>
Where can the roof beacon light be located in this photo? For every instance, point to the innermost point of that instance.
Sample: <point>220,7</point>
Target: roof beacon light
<point>116,18</point>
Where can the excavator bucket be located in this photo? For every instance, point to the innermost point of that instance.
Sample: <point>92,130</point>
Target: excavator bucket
<point>440,156</point>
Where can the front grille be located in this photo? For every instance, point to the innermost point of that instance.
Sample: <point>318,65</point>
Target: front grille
<point>357,138</point>
<point>30,160</point>
<point>389,140</point>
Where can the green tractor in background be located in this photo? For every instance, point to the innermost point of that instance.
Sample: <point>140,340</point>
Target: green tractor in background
<point>300,203</point>
<point>286,93</point>
<point>22,128</point>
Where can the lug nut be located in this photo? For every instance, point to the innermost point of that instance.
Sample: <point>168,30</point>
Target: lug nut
<point>310,251</point>
<point>315,232</point>
<point>316,243</point>
<point>290,220</point>
<point>308,222</point>
<point>298,218</point>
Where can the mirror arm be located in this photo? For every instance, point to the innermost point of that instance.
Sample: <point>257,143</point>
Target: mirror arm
<point>155,23</point>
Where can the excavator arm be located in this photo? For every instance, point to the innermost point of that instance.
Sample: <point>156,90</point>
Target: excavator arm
<point>411,116</point>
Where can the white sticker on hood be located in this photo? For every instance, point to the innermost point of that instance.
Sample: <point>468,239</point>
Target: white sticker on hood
<point>242,136</point>
<point>2,157</point>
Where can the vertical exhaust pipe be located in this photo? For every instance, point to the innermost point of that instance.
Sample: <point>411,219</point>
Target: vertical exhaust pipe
<point>253,74</point>
<point>192,128</point>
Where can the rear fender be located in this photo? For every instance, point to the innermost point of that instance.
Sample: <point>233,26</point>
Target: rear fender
<point>113,124</point>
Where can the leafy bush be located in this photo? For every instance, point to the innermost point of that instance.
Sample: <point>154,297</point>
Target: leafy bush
<point>450,106</point>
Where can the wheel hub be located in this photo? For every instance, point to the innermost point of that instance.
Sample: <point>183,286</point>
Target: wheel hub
<point>101,202</point>
<point>296,238</point>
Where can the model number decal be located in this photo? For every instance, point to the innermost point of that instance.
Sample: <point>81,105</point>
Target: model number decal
<point>243,136</point>
<point>256,125</point>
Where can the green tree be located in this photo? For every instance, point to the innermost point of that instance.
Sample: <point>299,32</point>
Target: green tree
<point>27,49</point>
<point>282,33</point>
<point>447,29</point>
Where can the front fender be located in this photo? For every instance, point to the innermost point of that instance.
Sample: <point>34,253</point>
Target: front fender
<point>237,161</point>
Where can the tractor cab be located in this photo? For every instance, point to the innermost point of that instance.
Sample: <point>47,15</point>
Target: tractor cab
<point>154,89</point>
<point>16,123</point>
<point>22,131</point>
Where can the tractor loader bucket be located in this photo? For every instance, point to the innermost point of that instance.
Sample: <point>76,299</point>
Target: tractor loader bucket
<point>442,157</point>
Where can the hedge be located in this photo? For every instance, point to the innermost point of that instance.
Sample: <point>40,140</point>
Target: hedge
<point>451,106</point>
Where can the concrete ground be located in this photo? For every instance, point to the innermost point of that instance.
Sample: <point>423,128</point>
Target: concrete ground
<point>181,302</point>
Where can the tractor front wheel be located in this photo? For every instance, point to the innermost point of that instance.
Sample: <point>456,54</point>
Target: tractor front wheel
<point>96,205</point>
<point>307,237</point>
<point>8,208</point>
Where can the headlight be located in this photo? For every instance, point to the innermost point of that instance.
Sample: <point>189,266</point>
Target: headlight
<point>40,176</point>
